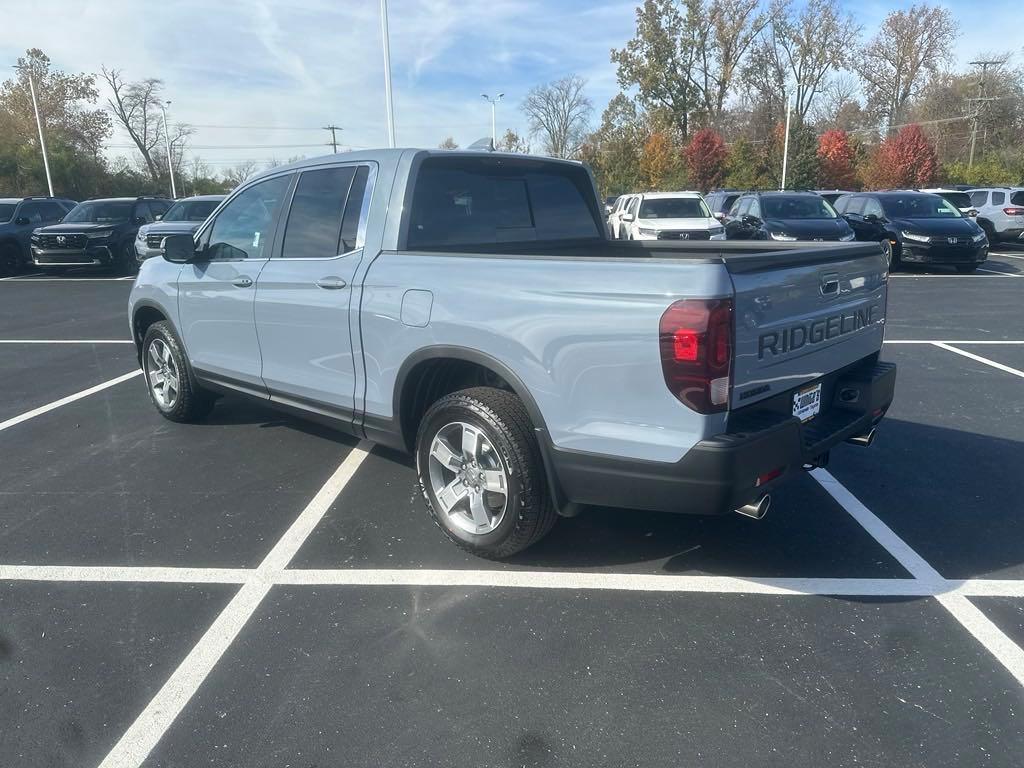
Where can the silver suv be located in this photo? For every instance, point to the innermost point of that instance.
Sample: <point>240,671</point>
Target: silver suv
<point>1000,212</point>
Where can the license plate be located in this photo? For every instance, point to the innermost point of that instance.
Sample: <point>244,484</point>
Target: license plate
<point>807,402</point>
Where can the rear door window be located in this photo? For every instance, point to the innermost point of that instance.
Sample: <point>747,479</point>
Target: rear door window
<point>314,221</point>
<point>998,198</point>
<point>466,201</point>
<point>1017,198</point>
<point>979,199</point>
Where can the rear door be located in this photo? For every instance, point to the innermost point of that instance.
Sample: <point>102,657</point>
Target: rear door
<point>304,293</point>
<point>216,293</point>
<point>803,312</point>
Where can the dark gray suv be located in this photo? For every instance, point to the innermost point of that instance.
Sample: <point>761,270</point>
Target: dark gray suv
<point>18,217</point>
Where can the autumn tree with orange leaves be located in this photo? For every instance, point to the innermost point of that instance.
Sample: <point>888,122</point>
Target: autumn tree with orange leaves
<point>836,160</point>
<point>706,155</point>
<point>907,160</point>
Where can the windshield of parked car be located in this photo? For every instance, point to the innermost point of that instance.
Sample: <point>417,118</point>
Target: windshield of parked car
<point>919,207</point>
<point>674,208</point>
<point>100,212</point>
<point>959,199</point>
<point>193,210</point>
<point>7,211</point>
<point>796,207</point>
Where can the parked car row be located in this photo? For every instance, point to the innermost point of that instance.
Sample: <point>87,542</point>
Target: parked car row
<point>52,234</point>
<point>939,226</point>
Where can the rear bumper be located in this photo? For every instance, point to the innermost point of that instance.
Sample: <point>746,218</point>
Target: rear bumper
<point>721,473</point>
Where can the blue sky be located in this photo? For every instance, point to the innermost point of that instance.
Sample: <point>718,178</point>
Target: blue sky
<point>302,64</point>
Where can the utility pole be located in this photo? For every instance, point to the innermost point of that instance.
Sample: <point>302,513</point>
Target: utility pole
<point>389,106</point>
<point>981,99</point>
<point>334,137</point>
<point>785,143</point>
<point>39,124</point>
<point>167,145</point>
<point>494,130</point>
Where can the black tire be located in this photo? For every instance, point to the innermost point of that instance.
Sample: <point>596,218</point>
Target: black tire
<point>892,253</point>
<point>10,259</point>
<point>529,513</point>
<point>990,231</point>
<point>966,269</point>
<point>125,262</point>
<point>192,403</point>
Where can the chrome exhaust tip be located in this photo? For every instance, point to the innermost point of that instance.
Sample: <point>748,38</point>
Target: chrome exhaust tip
<point>864,440</point>
<point>756,509</point>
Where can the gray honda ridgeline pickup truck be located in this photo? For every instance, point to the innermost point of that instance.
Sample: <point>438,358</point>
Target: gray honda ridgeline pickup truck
<point>468,307</point>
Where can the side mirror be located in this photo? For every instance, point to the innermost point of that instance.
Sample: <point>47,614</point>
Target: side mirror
<point>140,220</point>
<point>179,249</point>
<point>157,216</point>
<point>751,220</point>
<point>628,217</point>
<point>872,218</point>
<point>720,215</point>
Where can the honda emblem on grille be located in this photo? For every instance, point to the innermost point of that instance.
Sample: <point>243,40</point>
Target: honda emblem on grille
<point>951,240</point>
<point>684,235</point>
<point>61,240</point>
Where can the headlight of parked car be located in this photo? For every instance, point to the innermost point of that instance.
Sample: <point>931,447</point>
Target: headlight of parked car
<point>99,235</point>
<point>648,232</point>
<point>979,238</point>
<point>716,231</point>
<point>781,236</point>
<point>141,236</point>
<point>916,237</point>
<point>847,237</point>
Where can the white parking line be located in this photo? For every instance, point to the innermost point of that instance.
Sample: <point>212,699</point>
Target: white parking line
<point>1006,255</point>
<point>978,358</point>
<point>121,573</point>
<point>15,420</point>
<point>66,341</point>
<point>997,272</point>
<point>963,610</point>
<point>147,730</point>
<point>946,341</point>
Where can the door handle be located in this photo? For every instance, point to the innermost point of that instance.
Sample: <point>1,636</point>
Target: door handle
<point>242,282</point>
<point>331,283</point>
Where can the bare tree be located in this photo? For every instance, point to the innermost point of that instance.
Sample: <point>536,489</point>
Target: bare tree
<point>136,107</point>
<point>559,113</point>
<point>797,50</point>
<point>238,173</point>
<point>448,143</point>
<point>909,45</point>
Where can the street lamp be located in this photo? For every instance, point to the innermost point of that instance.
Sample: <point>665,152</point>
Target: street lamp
<point>39,123</point>
<point>167,144</point>
<point>387,72</point>
<point>494,101</point>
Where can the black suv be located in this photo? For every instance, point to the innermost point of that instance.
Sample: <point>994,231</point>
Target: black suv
<point>18,217</point>
<point>916,228</point>
<point>785,216</point>
<point>97,233</point>
<point>720,201</point>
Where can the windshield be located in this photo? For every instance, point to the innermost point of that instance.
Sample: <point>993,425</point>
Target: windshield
<point>959,199</point>
<point>919,207</point>
<point>796,207</point>
<point>195,210</point>
<point>674,208</point>
<point>7,211</point>
<point>100,212</point>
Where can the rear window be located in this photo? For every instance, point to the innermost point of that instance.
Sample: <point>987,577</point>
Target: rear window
<point>959,199</point>
<point>674,208</point>
<point>1017,198</point>
<point>471,201</point>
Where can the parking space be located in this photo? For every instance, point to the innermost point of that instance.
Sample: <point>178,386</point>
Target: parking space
<point>258,591</point>
<point>519,677</point>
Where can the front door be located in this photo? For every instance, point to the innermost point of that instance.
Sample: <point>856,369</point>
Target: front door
<point>216,292</point>
<point>304,293</point>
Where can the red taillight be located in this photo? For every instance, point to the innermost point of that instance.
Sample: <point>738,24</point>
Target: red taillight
<point>696,352</point>
<point>1014,211</point>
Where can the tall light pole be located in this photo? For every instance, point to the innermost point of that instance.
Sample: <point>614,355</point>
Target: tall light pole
<point>39,124</point>
<point>167,144</point>
<point>785,144</point>
<point>494,132</point>
<point>387,72</point>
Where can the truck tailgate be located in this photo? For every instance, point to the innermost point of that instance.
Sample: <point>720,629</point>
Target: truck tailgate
<point>801,314</point>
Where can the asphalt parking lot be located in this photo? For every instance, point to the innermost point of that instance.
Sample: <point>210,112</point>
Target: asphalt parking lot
<point>256,591</point>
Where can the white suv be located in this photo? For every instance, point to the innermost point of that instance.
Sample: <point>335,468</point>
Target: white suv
<point>670,216</point>
<point>1000,212</point>
<point>615,217</point>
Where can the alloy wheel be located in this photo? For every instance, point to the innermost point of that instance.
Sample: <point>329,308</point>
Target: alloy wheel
<point>467,478</point>
<point>162,373</point>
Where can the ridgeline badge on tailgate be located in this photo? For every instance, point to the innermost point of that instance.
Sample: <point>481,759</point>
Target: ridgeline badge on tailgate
<point>815,332</point>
